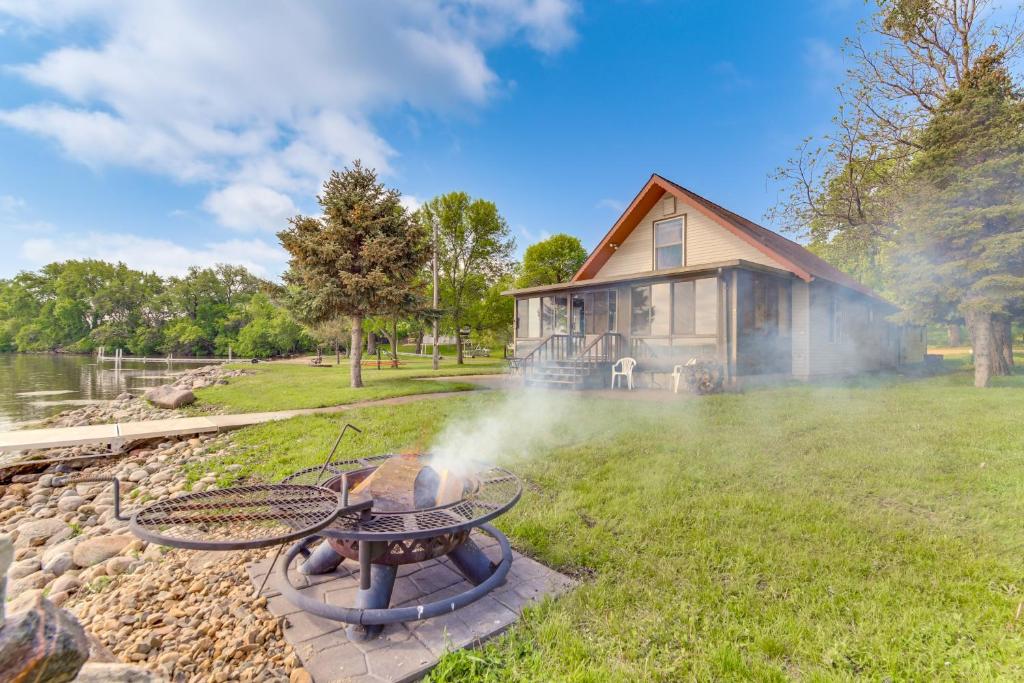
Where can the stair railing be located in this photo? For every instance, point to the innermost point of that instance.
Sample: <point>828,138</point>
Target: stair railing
<point>605,348</point>
<point>553,347</point>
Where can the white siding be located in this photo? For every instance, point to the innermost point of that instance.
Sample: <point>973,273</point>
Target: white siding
<point>801,326</point>
<point>866,340</point>
<point>706,242</point>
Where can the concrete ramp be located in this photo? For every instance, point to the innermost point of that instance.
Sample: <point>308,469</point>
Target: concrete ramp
<point>116,435</point>
<point>57,437</point>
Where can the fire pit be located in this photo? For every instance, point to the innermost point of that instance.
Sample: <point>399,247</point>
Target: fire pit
<point>382,512</point>
<point>419,511</point>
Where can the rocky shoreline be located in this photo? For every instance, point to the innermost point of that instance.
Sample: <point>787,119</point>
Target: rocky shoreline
<point>128,407</point>
<point>179,615</point>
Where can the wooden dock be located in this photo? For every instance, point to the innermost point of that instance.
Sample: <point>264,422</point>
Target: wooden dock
<point>119,357</point>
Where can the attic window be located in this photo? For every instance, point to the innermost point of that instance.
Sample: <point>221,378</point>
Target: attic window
<point>668,243</point>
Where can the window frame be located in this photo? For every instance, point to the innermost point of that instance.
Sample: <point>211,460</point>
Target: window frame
<point>834,318</point>
<point>673,288</point>
<point>681,218</point>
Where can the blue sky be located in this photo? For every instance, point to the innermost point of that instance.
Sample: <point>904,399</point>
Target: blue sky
<point>170,134</point>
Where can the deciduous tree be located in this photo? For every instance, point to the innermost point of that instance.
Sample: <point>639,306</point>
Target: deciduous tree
<point>551,261</point>
<point>474,249</point>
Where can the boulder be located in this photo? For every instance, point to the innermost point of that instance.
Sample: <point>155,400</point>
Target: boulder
<point>42,532</point>
<point>43,643</point>
<point>19,570</point>
<point>167,396</point>
<point>70,503</point>
<point>99,549</point>
<point>59,564</point>
<point>66,584</point>
<point>116,566</point>
<point>62,548</point>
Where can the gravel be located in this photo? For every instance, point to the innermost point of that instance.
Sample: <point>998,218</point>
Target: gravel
<point>182,615</point>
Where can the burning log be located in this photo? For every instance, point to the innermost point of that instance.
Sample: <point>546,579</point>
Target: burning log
<point>406,482</point>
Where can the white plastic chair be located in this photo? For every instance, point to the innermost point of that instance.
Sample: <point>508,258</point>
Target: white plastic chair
<point>677,374</point>
<point>624,368</point>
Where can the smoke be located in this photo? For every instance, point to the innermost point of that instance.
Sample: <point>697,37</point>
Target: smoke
<point>523,423</point>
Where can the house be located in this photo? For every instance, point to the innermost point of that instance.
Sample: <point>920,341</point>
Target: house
<point>679,277</point>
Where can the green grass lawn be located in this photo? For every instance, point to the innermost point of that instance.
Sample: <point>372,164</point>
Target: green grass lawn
<point>861,530</point>
<point>283,386</point>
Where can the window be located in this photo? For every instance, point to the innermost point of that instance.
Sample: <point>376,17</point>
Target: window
<point>835,320</point>
<point>682,307</point>
<point>522,318</point>
<point>695,307</point>
<point>668,243</point>
<point>661,309</point>
<point>554,315</point>
<point>705,317</point>
<point>593,312</point>
<point>652,310</point>
<point>640,319</point>
<point>527,318</point>
<point>612,309</point>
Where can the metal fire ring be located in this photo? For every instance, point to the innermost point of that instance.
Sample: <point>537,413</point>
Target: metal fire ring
<point>498,491</point>
<point>393,615</point>
<point>238,518</point>
<point>318,474</point>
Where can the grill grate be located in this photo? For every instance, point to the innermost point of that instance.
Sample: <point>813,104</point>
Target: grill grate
<point>498,491</point>
<point>237,518</point>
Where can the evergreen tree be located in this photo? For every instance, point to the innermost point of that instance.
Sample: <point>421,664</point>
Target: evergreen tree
<point>360,257</point>
<point>961,243</point>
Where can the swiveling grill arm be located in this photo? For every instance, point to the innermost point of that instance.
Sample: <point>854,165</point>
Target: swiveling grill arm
<point>67,480</point>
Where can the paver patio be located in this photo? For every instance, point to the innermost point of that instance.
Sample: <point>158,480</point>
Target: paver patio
<point>404,652</point>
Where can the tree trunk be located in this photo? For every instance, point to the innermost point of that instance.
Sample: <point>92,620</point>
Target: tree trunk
<point>355,356</point>
<point>1004,334</point>
<point>371,343</point>
<point>419,343</point>
<point>394,340</point>
<point>980,327</point>
<point>997,368</point>
<point>458,343</point>
<point>337,352</point>
<point>955,338</point>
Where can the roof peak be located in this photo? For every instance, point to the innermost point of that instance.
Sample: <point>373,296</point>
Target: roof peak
<point>792,255</point>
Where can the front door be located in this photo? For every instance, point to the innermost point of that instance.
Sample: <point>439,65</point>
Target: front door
<point>578,318</point>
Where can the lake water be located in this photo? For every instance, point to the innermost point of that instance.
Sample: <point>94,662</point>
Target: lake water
<point>37,386</point>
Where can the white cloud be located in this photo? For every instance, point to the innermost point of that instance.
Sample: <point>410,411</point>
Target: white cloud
<point>532,237</point>
<point>251,207</point>
<point>161,256</point>
<point>273,95</point>
<point>410,202</point>
<point>14,218</point>
<point>613,204</point>
<point>730,77</point>
<point>10,204</point>
<point>825,63</point>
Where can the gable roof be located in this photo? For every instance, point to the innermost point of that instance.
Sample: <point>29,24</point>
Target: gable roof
<point>792,256</point>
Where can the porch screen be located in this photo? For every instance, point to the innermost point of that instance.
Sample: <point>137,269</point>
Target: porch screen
<point>554,315</point>
<point>593,312</point>
<point>695,307</point>
<point>527,318</point>
<point>652,310</point>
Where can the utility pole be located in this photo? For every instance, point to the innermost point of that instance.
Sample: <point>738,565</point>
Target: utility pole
<point>437,301</point>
